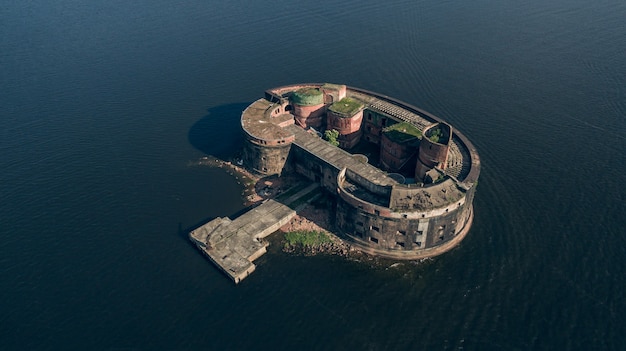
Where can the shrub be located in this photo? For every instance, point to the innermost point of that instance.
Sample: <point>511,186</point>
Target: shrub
<point>331,136</point>
<point>306,238</point>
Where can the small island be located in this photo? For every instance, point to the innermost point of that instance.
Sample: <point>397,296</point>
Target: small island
<point>400,180</point>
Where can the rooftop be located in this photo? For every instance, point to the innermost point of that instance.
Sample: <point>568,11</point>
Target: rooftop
<point>402,132</point>
<point>257,121</point>
<point>463,163</point>
<point>338,158</point>
<point>347,107</point>
<point>307,96</point>
<point>332,86</point>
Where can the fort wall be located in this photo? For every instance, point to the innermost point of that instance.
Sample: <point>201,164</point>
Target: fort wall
<point>394,155</point>
<point>314,168</point>
<point>433,153</point>
<point>374,212</point>
<point>266,159</point>
<point>379,228</point>
<point>373,124</point>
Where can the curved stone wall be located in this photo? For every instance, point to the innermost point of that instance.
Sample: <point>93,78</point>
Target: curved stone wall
<point>433,154</point>
<point>396,234</point>
<point>309,116</point>
<point>432,199</point>
<point>264,159</point>
<point>267,143</point>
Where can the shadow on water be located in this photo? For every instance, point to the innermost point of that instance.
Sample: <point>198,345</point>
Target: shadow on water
<point>218,132</point>
<point>217,135</point>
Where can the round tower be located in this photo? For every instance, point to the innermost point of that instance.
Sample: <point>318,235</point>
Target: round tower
<point>433,150</point>
<point>398,145</point>
<point>267,145</point>
<point>308,107</point>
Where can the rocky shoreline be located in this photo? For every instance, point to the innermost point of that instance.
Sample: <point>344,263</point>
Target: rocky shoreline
<point>333,248</point>
<point>235,169</point>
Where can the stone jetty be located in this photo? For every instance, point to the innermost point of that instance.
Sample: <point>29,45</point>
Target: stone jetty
<point>233,245</point>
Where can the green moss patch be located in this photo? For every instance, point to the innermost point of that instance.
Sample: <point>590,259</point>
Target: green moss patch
<point>307,97</point>
<point>402,132</point>
<point>306,238</point>
<point>439,133</point>
<point>346,107</point>
<point>435,135</point>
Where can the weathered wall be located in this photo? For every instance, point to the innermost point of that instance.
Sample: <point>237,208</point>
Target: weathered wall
<point>377,189</point>
<point>344,125</point>
<point>393,155</point>
<point>333,92</point>
<point>349,128</point>
<point>264,159</point>
<point>314,168</point>
<point>396,230</point>
<point>400,234</point>
<point>348,141</point>
<point>431,154</point>
<point>373,124</point>
<point>309,116</point>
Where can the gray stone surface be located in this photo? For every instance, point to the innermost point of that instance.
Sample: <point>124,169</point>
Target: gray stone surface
<point>337,157</point>
<point>233,244</point>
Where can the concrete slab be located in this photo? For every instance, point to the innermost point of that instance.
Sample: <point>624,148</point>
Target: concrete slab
<point>232,245</point>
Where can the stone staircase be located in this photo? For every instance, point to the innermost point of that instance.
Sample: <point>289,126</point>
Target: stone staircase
<point>400,113</point>
<point>458,160</point>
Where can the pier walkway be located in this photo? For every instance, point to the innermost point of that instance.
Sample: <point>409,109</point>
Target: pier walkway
<point>232,245</point>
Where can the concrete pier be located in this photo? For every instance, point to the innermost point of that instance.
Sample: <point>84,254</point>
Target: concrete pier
<point>232,245</point>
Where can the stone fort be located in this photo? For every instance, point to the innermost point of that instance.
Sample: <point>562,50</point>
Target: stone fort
<point>404,179</point>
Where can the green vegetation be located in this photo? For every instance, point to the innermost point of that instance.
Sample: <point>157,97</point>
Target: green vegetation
<point>307,97</point>
<point>402,132</point>
<point>435,135</point>
<point>306,238</point>
<point>309,91</point>
<point>331,136</point>
<point>347,107</point>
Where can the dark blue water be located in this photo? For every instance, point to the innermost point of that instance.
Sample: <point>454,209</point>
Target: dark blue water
<point>105,107</point>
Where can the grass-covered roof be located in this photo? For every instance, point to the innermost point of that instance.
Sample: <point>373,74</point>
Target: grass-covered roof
<point>402,132</point>
<point>346,107</point>
<point>307,96</point>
